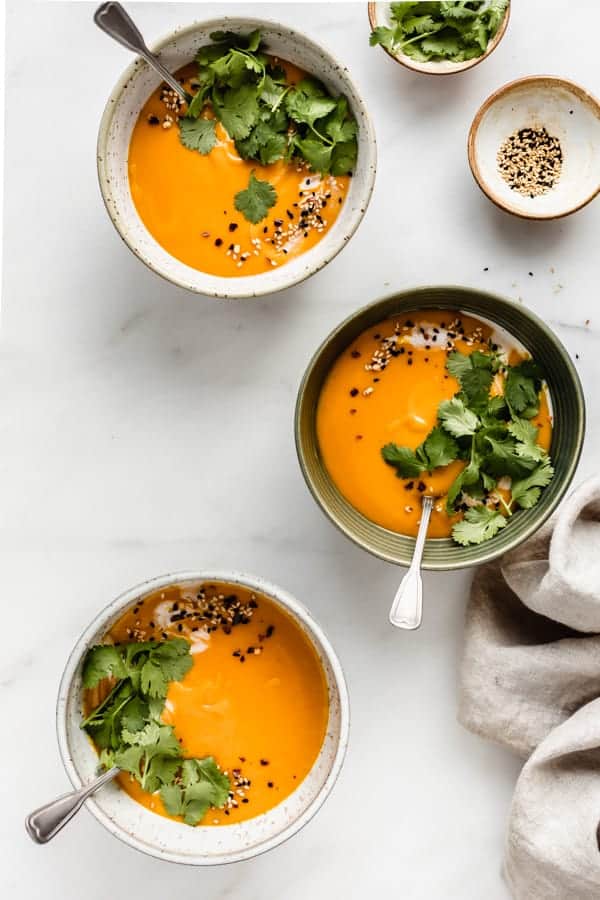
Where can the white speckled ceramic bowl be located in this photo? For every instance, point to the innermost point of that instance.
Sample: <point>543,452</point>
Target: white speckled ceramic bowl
<point>379,14</point>
<point>569,113</point>
<point>122,110</point>
<point>174,841</point>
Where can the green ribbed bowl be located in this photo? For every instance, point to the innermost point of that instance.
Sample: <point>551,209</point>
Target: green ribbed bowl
<point>568,408</point>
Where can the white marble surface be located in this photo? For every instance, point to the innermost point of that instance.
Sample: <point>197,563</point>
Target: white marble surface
<point>144,429</point>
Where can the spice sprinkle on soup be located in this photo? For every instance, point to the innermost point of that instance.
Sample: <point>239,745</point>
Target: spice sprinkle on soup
<point>253,172</point>
<point>210,699</point>
<point>440,403</point>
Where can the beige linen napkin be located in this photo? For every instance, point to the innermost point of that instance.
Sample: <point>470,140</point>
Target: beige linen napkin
<point>531,658</point>
<point>552,850</point>
<point>530,678</point>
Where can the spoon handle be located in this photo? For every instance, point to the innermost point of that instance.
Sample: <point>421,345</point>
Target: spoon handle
<point>45,822</point>
<point>112,19</point>
<point>407,608</point>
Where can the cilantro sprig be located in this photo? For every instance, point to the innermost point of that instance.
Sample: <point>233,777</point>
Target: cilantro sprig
<point>455,31</point>
<point>492,435</point>
<point>128,729</point>
<point>267,118</point>
<point>256,200</point>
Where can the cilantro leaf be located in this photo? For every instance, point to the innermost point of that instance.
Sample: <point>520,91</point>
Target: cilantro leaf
<point>343,157</point>
<point>526,491</point>
<point>474,372</point>
<point>479,524</point>
<point>102,661</point>
<point>238,110</point>
<point>172,797</point>
<point>526,436</point>
<point>403,459</point>
<point>315,152</point>
<point>338,125</point>
<point>384,36</point>
<point>256,200</point>
<point>468,478</point>
<point>104,723</point>
<point>501,456</point>
<point>523,385</point>
<point>174,658</point>
<point>308,101</point>
<point>496,408</point>
<point>457,419</point>
<point>197,134</point>
<point>439,448</point>
<point>199,801</point>
<point>232,69</point>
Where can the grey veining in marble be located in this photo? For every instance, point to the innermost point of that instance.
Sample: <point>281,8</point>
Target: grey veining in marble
<point>144,429</point>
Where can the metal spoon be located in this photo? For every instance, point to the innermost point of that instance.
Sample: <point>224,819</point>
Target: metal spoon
<point>407,608</point>
<point>43,823</point>
<point>112,18</point>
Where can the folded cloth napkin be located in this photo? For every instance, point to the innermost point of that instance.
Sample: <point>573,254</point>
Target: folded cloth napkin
<point>531,658</point>
<point>530,680</point>
<point>552,847</point>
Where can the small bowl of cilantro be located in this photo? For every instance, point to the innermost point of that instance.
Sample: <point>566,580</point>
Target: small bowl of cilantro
<point>439,38</point>
<point>256,178</point>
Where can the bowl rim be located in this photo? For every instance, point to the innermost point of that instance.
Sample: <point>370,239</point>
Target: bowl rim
<point>415,293</point>
<point>420,67</point>
<point>228,290</point>
<point>297,611</point>
<point>580,92</point>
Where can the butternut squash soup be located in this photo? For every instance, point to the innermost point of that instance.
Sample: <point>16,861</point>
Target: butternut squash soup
<point>213,703</point>
<point>249,174</point>
<point>436,402</point>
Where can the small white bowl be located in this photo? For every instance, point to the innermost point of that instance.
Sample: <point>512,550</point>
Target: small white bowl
<point>569,113</point>
<point>380,14</point>
<point>120,115</point>
<point>173,841</point>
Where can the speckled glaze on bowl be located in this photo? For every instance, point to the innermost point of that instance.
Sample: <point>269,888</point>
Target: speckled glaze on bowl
<point>569,113</point>
<point>120,115</point>
<point>173,841</point>
<point>379,14</point>
<point>568,408</point>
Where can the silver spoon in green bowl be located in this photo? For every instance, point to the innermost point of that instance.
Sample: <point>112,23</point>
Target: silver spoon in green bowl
<point>114,21</point>
<point>407,608</point>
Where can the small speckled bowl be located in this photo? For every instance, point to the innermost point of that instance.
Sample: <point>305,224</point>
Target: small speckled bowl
<point>173,841</point>
<point>122,110</point>
<point>567,112</point>
<point>568,409</point>
<point>379,14</point>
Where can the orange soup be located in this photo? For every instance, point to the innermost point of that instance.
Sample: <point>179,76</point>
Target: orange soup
<point>386,387</point>
<point>255,697</point>
<point>186,200</point>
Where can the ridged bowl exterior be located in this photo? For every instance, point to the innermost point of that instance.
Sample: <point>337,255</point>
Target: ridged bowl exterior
<point>567,438</point>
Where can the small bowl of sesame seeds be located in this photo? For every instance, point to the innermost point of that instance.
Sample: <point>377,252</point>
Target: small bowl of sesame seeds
<point>534,147</point>
<point>274,688</point>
